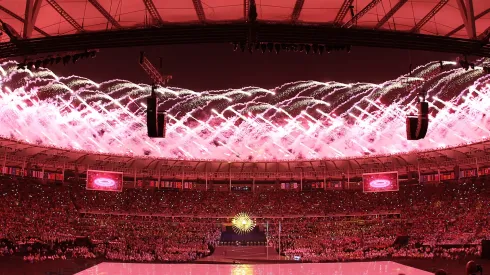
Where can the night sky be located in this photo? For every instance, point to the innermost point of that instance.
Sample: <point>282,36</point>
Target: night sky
<point>217,66</point>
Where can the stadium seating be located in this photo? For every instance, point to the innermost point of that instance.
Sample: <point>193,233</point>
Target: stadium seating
<point>43,221</point>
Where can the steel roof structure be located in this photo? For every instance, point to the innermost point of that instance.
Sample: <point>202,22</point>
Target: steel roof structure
<point>16,153</point>
<point>38,18</point>
<point>462,26</point>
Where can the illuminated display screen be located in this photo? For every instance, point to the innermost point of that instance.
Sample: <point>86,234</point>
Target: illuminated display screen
<point>380,182</point>
<point>104,181</point>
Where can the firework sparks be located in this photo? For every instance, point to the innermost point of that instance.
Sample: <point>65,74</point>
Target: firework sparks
<point>242,223</point>
<point>300,120</point>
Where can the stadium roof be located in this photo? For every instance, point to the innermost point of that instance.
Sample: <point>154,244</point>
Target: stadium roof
<point>14,152</point>
<point>458,19</point>
<point>62,17</point>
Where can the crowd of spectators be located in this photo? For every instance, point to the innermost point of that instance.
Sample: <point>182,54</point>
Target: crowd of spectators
<point>55,221</point>
<point>146,239</point>
<point>446,221</point>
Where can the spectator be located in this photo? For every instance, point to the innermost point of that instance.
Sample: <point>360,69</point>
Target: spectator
<point>44,222</point>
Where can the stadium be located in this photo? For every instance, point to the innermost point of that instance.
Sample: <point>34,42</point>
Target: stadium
<point>116,176</point>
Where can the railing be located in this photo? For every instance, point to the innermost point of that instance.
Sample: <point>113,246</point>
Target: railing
<point>319,172</point>
<point>380,214</point>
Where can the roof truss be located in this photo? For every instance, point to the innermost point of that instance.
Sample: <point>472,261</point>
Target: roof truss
<point>478,16</point>
<point>31,13</point>
<point>216,33</point>
<point>485,36</point>
<point>105,13</point>
<point>152,9</point>
<point>297,10</point>
<point>199,10</point>
<point>343,11</point>
<point>468,16</point>
<point>358,16</point>
<point>429,16</point>
<point>9,12</point>
<point>390,14</point>
<point>28,24</point>
<point>65,15</point>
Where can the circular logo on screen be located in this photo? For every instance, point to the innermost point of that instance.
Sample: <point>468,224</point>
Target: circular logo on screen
<point>380,183</point>
<point>104,182</point>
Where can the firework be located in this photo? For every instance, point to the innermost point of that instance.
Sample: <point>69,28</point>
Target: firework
<point>242,223</point>
<point>300,120</point>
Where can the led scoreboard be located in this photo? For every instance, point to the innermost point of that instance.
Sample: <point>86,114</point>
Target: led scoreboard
<point>104,181</point>
<point>380,182</point>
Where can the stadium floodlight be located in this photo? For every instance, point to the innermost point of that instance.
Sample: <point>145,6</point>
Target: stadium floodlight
<point>50,60</point>
<point>75,58</point>
<point>263,47</point>
<point>270,47</point>
<point>257,46</point>
<point>242,46</point>
<point>315,48</point>
<point>321,49</point>
<point>289,47</point>
<point>277,47</point>
<point>66,59</point>
<point>307,48</point>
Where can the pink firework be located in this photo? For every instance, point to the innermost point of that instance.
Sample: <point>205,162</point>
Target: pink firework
<point>300,120</point>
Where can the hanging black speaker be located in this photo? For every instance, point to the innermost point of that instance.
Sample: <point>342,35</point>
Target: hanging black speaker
<point>423,120</point>
<point>417,125</point>
<point>155,122</point>
<point>161,125</point>
<point>151,116</point>
<point>412,128</point>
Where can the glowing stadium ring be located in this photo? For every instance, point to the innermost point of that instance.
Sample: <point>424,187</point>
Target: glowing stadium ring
<point>104,182</point>
<point>380,183</point>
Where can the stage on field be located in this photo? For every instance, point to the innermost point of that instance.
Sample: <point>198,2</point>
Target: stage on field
<point>354,268</point>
